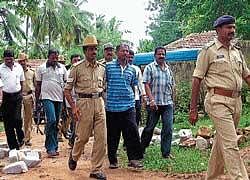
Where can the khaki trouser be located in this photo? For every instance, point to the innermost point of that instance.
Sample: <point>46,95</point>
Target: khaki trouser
<point>225,113</point>
<point>28,104</point>
<point>92,119</point>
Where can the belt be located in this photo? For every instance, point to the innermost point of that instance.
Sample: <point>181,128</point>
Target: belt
<point>11,94</point>
<point>226,92</point>
<point>92,95</point>
<point>28,93</point>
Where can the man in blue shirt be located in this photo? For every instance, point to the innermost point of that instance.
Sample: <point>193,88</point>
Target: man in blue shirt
<point>120,109</point>
<point>159,86</point>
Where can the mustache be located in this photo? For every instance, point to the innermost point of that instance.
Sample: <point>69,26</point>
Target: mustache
<point>232,33</point>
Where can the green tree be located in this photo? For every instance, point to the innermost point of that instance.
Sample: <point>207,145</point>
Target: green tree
<point>145,45</point>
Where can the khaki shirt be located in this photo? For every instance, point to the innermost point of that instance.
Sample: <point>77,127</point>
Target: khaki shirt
<point>221,67</point>
<point>86,78</point>
<point>28,84</point>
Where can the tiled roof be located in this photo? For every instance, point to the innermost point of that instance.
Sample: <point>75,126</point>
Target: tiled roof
<point>194,40</point>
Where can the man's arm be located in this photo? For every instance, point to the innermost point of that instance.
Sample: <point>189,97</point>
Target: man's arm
<point>38,90</point>
<point>152,103</point>
<point>75,110</point>
<point>193,113</point>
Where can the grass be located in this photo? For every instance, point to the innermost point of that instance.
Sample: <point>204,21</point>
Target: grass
<point>1,127</point>
<point>187,160</point>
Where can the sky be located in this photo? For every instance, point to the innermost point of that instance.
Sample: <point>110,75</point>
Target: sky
<point>132,13</point>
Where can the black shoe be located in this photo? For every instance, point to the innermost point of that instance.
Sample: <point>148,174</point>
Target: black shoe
<point>72,164</point>
<point>98,175</point>
<point>20,144</point>
<point>28,143</point>
<point>135,164</point>
<point>113,166</point>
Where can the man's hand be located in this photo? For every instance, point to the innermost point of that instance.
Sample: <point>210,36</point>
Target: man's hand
<point>193,116</point>
<point>76,112</point>
<point>153,106</point>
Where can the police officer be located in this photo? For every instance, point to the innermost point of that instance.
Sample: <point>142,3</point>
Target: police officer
<point>28,97</point>
<point>87,78</point>
<point>223,67</point>
<point>108,53</point>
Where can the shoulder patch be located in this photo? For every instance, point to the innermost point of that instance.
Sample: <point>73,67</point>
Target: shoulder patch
<point>208,45</point>
<point>76,64</point>
<point>101,64</point>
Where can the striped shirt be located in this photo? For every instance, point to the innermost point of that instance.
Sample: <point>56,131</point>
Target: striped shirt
<point>161,83</point>
<point>120,83</point>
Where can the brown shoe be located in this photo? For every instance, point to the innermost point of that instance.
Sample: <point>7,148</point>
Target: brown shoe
<point>135,164</point>
<point>113,166</point>
<point>71,163</point>
<point>51,154</point>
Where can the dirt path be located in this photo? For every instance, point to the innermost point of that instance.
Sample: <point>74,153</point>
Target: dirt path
<point>57,169</point>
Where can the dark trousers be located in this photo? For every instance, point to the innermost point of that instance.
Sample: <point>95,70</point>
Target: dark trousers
<point>138,112</point>
<point>166,113</point>
<point>124,122</point>
<point>12,106</point>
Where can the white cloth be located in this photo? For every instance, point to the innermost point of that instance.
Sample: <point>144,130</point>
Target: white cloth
<point>1,83</point>
<point>52,81</point>
<point>73,93</point>
<point>11,78</point>
<point>139,90</point>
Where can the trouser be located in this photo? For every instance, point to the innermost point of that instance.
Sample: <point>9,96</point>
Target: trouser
<point>166,113</point>
<point>92,118</point>
<point>124,122</point>
<point>12,106</point>
<point>28,104</point>
<point>138,112</point>
<point>53,111</point>
<point>225,113</point>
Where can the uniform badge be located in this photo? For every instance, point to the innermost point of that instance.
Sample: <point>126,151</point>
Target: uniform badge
<point>220,56</point>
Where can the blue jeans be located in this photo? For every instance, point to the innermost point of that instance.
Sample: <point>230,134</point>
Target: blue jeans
<point>166,113</point>
<point>52,110</point>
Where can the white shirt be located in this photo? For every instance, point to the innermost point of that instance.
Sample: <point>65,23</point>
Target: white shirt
<point>1,83</point>
<point>52,81</point>
<point>11,78</point>
<point>139,90</point>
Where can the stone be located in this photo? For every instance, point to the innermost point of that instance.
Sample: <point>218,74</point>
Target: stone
<point>157,131</point>
<point>190,142</point>
<point>201,143</point>
<point>15,168</point>
<point>13,156</point>
<point>4,152</point>
<point>3,145</point>
<point>204,132</point>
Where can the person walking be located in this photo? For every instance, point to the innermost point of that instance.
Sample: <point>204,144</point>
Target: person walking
<point>12,76</point>
<point>222,66</point>
<point>50,80</point>
<point>28,97</point>
<point>120,109</point>
<point>159,85</point>
<point>87,79</point>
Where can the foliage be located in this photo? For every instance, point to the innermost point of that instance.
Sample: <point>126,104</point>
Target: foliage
<point>172,19</point>
<point>145,45</point>
<point>183,91</point>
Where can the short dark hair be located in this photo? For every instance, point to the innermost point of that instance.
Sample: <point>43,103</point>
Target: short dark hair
<point>158,48</point>
<point>74,56</point>
<point>52,51</point>
<point>8,53</point>
<point>131,52</point>
<point>120,45</point>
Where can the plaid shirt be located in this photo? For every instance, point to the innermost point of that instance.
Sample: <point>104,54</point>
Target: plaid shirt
<point>161,83</point>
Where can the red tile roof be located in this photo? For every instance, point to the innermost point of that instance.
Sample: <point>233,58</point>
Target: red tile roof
<point>194,40</point>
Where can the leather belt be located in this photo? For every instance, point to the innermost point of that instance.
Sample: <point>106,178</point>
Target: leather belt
<point>226,92</point>
<point>92,95</point>
<point>27,93</point>
<point>11,94</point>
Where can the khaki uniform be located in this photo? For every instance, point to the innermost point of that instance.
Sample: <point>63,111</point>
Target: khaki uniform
<point>28,102</point>
<point>87,79</point>
<point>223,68</point>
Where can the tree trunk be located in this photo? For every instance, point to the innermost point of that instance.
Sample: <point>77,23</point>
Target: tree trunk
<point>27,34</point>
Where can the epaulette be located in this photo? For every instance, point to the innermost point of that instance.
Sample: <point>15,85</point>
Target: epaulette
<point>32,69</point>
<point>208,45</point>
<point>76,64</point>
<point>101,64</point>
<point>237,46</point>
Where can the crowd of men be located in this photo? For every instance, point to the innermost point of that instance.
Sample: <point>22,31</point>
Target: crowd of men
<point>104,98</point>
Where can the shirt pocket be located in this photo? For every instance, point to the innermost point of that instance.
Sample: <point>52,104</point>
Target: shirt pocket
<point>85,81</point>
<point>221,65</point>
<point>238,66</point>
